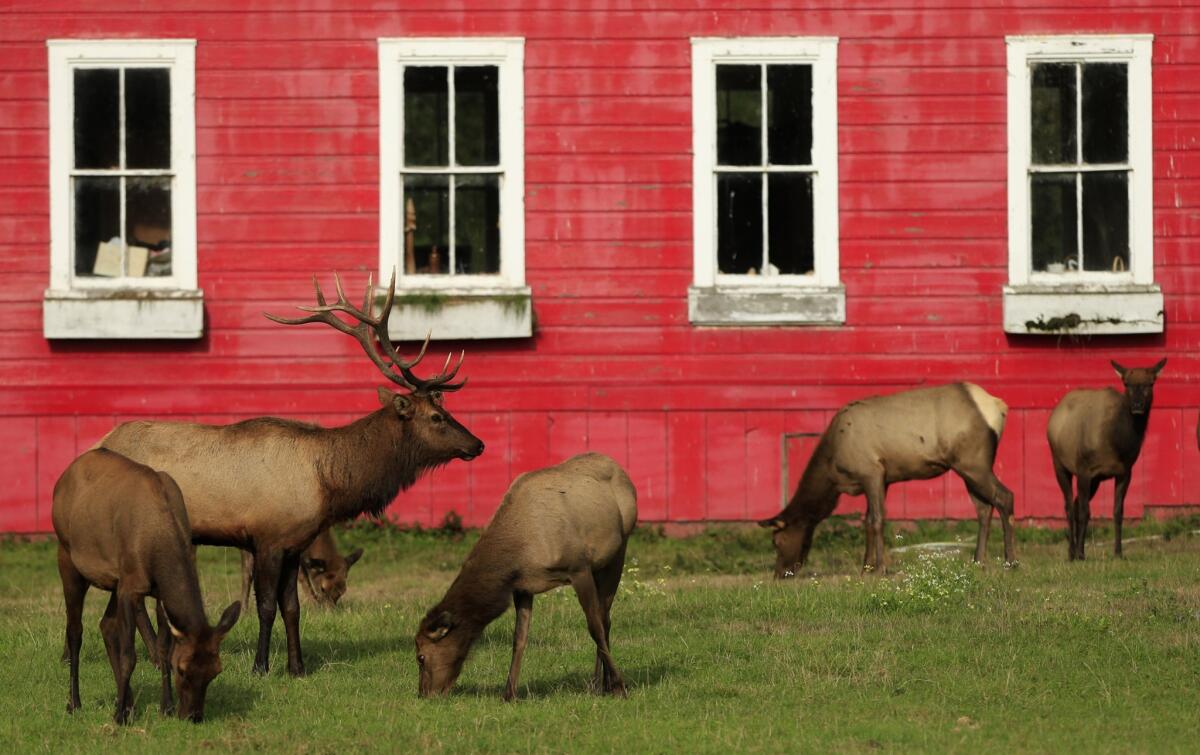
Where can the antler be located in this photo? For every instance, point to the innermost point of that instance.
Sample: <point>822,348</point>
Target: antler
<point>369,324</point>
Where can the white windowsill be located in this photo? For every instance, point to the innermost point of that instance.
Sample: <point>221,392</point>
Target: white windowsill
<point>1083,309</point>
<point>757,305</point>
<point>123,313</point>
<point>462,314</point>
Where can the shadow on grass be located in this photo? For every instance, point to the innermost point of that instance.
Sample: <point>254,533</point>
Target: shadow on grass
<point>579,682</point>
<point>341,650</point>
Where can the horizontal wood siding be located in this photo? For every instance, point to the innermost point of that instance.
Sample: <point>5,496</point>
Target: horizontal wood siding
<point>712,424</point>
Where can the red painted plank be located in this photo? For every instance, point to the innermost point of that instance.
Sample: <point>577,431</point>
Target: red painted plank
<point>919,499</point>
<point>764,463</point>
<point>1009,467</point>
<point>725,454</point>
<point>647,463</point>
<point>55,451</point>
<point>568,435</point>
<point>19,494</point>
<point>529,442</point>
<point>608,433</point>
<point>687,467</point>
<point>490,473</point>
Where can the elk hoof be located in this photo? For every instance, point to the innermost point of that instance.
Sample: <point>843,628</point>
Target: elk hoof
<point>618,690</point>
<point>297,670</point>
<point>509,696</point>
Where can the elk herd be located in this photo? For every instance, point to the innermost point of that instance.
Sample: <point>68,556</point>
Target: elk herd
<point>129,512</point>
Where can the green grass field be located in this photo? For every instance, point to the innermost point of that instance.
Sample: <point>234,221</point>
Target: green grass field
<point>939,655</point>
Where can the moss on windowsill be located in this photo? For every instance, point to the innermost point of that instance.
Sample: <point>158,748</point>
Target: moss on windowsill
<point>434,301</point>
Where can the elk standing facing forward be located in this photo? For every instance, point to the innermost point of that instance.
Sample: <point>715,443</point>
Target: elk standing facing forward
<point>563,524</point>
<point>912,435</point>
<point>122,527</point>
<point>323,570</point>
<point>1096,435</point>
<point>271,485</point>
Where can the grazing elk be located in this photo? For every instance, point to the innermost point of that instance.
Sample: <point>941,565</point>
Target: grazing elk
<point>122,527</point>
<point>270,485</point>
<point>563,524</point>
<point>323,570</point>
<point>1096,435</point>
<point>911,435</point>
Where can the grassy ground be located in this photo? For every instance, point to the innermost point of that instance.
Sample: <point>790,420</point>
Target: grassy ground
<point>940,655</point>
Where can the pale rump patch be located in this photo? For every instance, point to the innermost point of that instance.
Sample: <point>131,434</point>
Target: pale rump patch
<point>994,410</point>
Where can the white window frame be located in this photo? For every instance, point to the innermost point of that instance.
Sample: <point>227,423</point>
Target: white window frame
<point>178,56</point>
<point>1101,302</point>
<point>148,307</point>
<point>709,284</point>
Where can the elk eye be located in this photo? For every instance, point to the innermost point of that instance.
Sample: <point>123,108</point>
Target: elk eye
<point>436,418</point>
<point>421,659</point>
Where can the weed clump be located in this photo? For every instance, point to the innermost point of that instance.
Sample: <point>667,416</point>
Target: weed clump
<point>935,581</point>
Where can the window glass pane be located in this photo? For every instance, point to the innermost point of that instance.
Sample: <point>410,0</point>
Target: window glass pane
<point>147,118</point>
<point>477,224</point>
<point>1052,225</point>
<point>1052,113</point>
<point>790,214</point>
<point>427,232</point>
<point>789,115</point>
<point>739,222</point>
<point>1106,221</point>
<point>97,219</point>
<point>476,115</point>
<point>148,226</point>
<point>426,129</point>
<point>1105,113</point>
<point>739,115</point>
<point>97,118</point>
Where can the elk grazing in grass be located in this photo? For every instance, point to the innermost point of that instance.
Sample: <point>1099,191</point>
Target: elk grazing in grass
<point>270,486</point>
<point>323,570</point>
<point>1096,435</point>
<point>563,524</point>
<point>122,527</point>
<point>912,435</point>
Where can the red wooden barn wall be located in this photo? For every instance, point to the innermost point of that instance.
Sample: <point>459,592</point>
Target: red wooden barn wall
<point>287,113</point>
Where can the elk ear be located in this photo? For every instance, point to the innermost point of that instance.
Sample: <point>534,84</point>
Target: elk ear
<point>404,405</point>
<point>229,618</point>
<point>1158,367</point>
<point>385,396</point>
<point>314,565</point>
<point>353,558</point>
<point>775,523</point>
<point>178,635</point>
<point>1120,370</point>
<point>440,627</point>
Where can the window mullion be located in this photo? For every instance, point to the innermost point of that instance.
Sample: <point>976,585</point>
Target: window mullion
<point>450,110</point>
<point>766,214</point>
<point>1079,162</point>
<point>121,166</point>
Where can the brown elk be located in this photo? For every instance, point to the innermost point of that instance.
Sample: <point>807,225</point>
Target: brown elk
<point>270,485</point>
<point>323,570</point>
<point>911,435</point>
<point>1096,435</point>
<point>563,524</point>
<point>122,527</point>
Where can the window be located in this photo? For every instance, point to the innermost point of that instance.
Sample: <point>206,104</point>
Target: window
<point>765,182</point>
<point>122,190</point>
<point>1081,244</point>
<point>452,186</point>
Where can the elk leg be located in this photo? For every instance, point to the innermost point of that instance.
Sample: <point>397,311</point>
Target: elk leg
<point>1122,486</point>
<point>1064,484</point>
<point>75,589</point>
<point>1083,512</point>
<point>247,576</point>
<point>585,589</point>
<point>876,491</point>
<point>608,579</point>
<point>167,704</point>
<point>146,630</point>
<point>266,581</point>
<point>289,604</point>
<point>986,487</point>
<point>523,603</point>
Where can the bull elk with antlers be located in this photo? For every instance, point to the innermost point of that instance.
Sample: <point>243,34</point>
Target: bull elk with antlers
<point>270,486</point>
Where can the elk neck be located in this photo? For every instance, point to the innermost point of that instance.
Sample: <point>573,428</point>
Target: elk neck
<point>817,493</point>
<point>177,585</point>
<point>482,591</point>
<point>367,463</point>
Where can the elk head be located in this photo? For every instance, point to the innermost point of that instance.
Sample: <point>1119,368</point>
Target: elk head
<point>420,408</point>
<point>1139,385</point>
<point>328,578</point>
<point>196,661</point>
<point>792,541</point>
<point>442,646</point>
